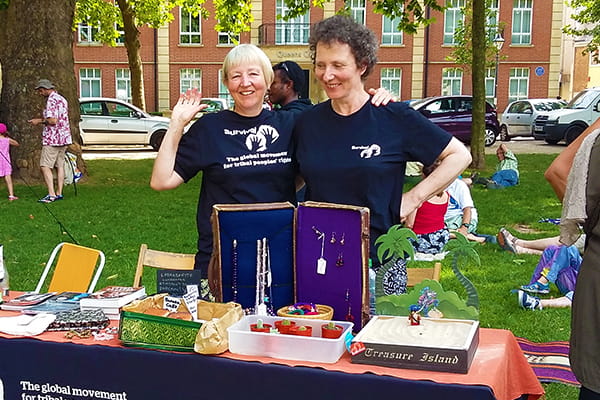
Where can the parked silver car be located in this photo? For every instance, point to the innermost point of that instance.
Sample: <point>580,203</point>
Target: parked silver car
<point>111,121</point>
<point>519,116</point>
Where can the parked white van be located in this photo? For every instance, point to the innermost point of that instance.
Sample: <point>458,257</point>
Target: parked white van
<point>569,122</point>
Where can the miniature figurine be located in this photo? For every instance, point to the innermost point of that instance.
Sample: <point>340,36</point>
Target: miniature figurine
<point>414,317</point>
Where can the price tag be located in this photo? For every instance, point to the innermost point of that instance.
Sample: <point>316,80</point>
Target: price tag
<point>321,265</point>
<point>191,302</point>
<point>193,289</point>
<point>171,303</point>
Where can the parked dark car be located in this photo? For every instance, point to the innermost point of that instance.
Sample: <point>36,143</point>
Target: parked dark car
<point>454,114</point>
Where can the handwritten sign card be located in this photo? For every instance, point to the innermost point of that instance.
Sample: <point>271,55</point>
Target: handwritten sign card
<point>175,282</point>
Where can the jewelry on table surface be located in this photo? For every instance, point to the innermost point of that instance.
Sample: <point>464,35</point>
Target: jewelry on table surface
<point>332,241</point>
<point>342,240</point>
<point>318,232</point>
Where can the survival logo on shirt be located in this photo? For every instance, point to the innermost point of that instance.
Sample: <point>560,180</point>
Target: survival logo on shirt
<point>258,141</point>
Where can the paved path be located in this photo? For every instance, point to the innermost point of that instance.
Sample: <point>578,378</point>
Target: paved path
<point>517,145</point>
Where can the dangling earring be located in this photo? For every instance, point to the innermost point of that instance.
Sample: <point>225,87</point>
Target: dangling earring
<point>340,259</point>
<point>342,240</point>
<point>349,316</point>
<point>332,241</point>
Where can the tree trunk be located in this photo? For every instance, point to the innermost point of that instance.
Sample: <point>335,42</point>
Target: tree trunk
<point>133,46</point>
<point>478,81</point>
<point>36,42</point>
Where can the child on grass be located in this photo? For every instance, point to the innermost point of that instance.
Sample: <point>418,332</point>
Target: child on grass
<point>5,165</point>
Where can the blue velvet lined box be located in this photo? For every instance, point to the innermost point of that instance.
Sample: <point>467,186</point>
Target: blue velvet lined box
<point>297,238</point>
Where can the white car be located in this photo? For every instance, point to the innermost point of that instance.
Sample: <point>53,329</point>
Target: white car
<point>106,121</point>
<point>519,116</point>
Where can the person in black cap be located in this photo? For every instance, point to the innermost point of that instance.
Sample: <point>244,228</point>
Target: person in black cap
<point>288,84</point>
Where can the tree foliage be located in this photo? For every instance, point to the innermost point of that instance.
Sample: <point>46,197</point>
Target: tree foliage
<point>475,51</point>
<point>587,17</point>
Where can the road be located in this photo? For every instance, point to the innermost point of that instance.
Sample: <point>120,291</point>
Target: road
<point>517,145</point>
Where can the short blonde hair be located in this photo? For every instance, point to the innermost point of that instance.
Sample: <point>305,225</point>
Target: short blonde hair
<point>244,54</point>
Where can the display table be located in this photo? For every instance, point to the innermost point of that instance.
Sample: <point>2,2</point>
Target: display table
<point>51,367</point>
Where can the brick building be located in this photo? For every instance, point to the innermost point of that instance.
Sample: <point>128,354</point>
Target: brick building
<point>189,52</point>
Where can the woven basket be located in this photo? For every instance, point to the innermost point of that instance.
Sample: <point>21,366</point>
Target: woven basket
<point>325,312</point>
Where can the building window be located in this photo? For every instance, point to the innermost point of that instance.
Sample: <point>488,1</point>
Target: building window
<point>121,31</point>
<point>521,22</point>
<point>518,84</point>
<point>228,39</point>
<point>87,34</point>
<point>292,31</point>
<point>391,80</point>
<point>451,81</point>
<point>223,92</point>
<point>390,35</point>
<point>123,84</point>
<point>358,10</point>
<point>190,78</point>
<point>490,85</point>
<point>453,16</point>
<point>189,28</point>
<point>90,82</point>
<point>492,21</point>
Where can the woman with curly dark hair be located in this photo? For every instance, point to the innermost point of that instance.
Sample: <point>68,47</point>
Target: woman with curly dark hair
<point>350,152</point>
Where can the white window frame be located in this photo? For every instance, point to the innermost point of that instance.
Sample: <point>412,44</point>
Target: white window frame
<point>452,81</point>
<point>187,34</point>
<point>90,82</point>
<point>223,91</point>
<point>490,85</point>
<point>358,10</point>
<point>453,14</point>
<point>292,31</point>
<point>391,80</point>
<point>493,18</point>
<point>518,84</point>
<point>86,33</point>
<point>227,39</point>
<point>190,78</point>
<point>123,82</point>
<point>390,35</point>
<point>522,19</point>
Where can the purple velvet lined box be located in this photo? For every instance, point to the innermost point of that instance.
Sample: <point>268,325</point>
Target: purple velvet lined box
<point>297,236</point>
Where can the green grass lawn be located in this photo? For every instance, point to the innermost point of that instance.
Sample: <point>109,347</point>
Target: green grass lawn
<point>115,211</point>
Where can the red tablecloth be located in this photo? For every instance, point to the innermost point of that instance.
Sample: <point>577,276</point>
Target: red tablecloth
<point>498,364</point>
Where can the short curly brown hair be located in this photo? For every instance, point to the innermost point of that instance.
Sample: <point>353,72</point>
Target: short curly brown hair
<point>343,29</point>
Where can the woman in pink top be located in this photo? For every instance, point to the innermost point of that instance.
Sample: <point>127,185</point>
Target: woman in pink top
<point>5,164</point>
<point>428,221</point>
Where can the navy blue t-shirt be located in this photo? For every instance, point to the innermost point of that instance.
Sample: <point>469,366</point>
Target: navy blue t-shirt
<point>360,159</point>
<point>243,160</point>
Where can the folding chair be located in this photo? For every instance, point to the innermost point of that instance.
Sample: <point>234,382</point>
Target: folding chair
<point>161,260</point>
<point>74,269</point>
<point>416,275</point>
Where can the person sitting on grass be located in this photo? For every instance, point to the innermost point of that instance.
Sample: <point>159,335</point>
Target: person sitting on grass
<point>530,302</point>
<point>511,243</point>
<point>558,265</point>
<point>427,221</point>
<point>507,171</point>
<point>461,215</point>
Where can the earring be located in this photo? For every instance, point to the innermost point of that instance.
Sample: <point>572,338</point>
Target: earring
<point>332,238</point>
<point>340,260</point>
<point>349,316</point>
<point>342,240</point>
<point>318,232</point>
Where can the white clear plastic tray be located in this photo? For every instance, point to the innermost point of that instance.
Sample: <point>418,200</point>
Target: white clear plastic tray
<point>290,347</point>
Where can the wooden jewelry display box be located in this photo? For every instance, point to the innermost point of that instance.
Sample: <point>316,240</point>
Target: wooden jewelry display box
<point>436,344</point>
<point>316,253</point>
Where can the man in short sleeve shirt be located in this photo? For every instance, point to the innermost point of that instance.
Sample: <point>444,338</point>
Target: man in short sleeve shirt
<point>56,136</point>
